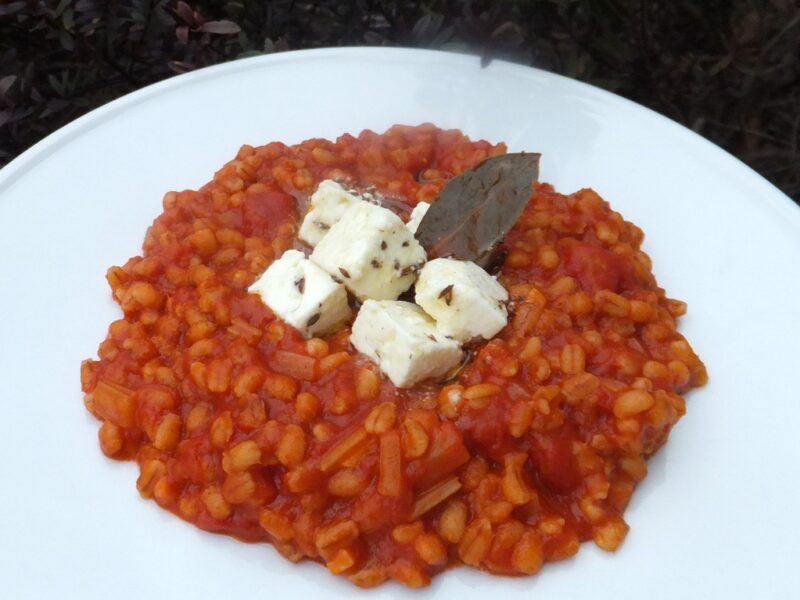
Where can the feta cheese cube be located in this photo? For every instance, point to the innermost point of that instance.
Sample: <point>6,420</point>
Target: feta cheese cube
<point>303,295</point>
<point>403,341</point>
<point>372,252</point>
<point>415,218</point>
<point>465,300</point>
<point>326,206</point>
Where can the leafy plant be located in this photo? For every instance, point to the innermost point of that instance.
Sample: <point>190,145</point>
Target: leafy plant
<point>729,70</point>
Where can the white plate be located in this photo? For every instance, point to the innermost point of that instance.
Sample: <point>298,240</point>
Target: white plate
<point>717,516</point>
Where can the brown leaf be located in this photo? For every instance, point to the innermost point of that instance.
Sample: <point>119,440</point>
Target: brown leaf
<point>6,83</point>
<point>180,66</point>
<point>185,12</point>
<point>476,210</point>
<point>220,27</point>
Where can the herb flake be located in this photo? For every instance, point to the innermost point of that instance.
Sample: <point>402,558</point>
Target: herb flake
<point>447,294</point>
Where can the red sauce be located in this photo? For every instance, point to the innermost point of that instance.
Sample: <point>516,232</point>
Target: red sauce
<point>242,427</point>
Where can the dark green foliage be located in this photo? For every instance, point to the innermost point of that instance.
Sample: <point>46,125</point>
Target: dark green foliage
<point>729,69</point>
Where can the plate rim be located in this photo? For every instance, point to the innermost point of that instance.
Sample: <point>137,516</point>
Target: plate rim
<point>61,137</point>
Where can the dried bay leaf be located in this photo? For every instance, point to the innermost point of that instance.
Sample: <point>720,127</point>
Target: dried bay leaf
<point>477,209</point>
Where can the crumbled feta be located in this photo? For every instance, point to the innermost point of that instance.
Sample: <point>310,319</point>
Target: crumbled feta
<point>372,252</point>
<point>326,206</point>
<point>303,295</point>
<point>403,341</point>
<point>415,218</point>
<point>464,299</point>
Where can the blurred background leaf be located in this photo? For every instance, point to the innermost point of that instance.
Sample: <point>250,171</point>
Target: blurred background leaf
<point>728,70</point>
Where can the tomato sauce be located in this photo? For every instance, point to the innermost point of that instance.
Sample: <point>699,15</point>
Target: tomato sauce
<point>242,427</point>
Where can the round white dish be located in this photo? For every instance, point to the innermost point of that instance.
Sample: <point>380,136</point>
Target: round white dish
<point>715,517</point>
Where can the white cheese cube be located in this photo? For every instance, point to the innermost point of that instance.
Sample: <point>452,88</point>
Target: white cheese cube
<point>303,295</point>
<point>415,218</point>
<point>403,341</point>
<point>465,300</point>
<point>326,206</point>
<point>372,252</point>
